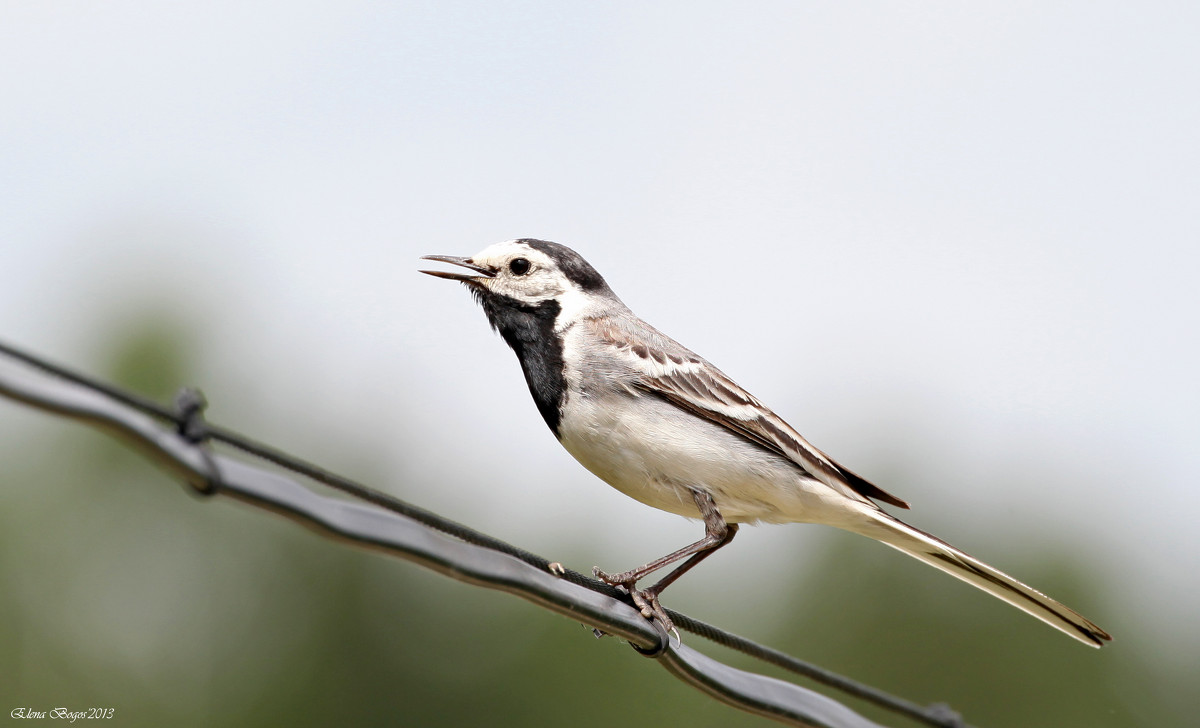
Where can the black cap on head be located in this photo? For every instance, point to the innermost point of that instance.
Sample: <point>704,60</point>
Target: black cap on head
<point>572,264</point>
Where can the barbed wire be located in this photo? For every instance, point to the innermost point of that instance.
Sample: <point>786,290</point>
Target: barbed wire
<point>398,528</point>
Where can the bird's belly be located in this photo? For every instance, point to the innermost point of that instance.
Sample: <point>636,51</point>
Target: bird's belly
<point>658,454</point>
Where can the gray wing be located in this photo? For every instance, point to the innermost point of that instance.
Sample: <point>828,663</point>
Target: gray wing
<point>669,370</point>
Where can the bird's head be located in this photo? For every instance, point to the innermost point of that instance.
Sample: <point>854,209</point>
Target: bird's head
<point>528,274</point>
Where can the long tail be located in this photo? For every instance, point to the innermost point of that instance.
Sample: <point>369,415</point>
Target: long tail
<point>939,554</point>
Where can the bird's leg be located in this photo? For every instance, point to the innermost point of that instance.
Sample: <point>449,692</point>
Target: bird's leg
<point>717,533</point>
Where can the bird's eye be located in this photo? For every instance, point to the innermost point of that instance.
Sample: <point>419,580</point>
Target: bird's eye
<point>519,266</point>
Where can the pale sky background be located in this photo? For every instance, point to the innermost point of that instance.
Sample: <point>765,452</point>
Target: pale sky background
<point>955,244</point>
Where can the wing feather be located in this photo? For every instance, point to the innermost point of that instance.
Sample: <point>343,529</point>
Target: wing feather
<point>689,382</point>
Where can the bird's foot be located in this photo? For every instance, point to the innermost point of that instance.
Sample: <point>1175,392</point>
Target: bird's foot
<point>646,600</point>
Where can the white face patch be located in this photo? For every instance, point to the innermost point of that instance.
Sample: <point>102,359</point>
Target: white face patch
<point>530,275</point>
<point>542,281</point>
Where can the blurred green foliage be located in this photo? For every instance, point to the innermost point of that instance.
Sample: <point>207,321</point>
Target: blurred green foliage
<point>120,591</point>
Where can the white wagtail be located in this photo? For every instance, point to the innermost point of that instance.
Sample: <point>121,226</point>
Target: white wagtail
<point>661,424</point>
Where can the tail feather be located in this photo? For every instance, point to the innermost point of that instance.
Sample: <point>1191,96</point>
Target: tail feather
<point>941,555</point>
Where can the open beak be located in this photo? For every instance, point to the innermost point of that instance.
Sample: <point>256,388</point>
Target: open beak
<point>480,271</point>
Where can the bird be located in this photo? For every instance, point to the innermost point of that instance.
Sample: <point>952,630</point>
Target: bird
<point>661,424</point>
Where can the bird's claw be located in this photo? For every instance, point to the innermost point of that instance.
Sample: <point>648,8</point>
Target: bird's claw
<point>646,600</point>
<point>622,580</point>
